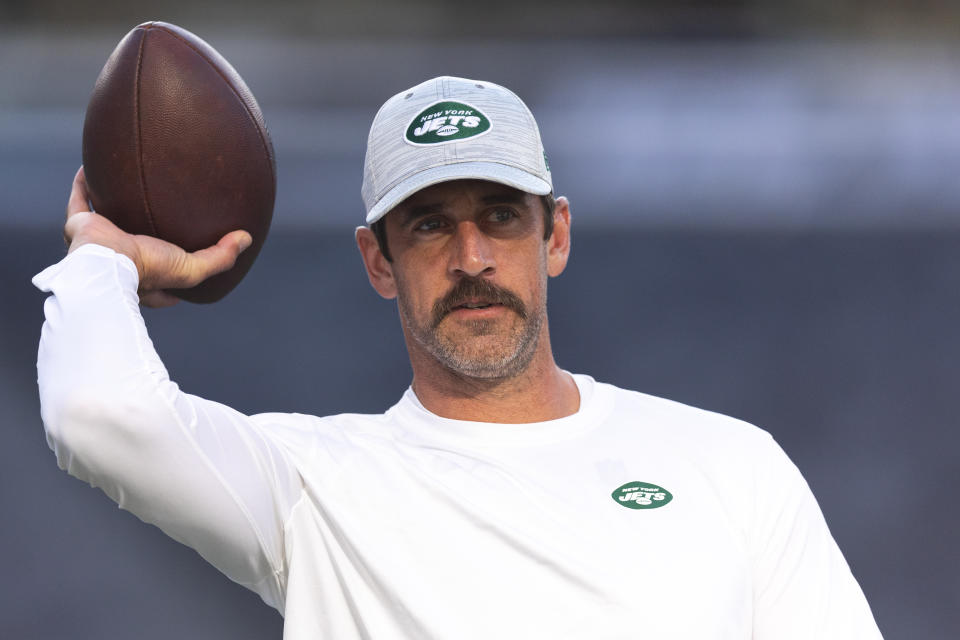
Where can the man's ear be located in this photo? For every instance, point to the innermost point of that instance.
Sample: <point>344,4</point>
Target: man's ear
<point>558,244</point>
<point>379,269</point>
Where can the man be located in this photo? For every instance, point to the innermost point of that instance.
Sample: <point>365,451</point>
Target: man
<point>501,497</point>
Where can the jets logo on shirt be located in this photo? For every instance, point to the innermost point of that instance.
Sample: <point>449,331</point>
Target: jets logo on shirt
<point>642,495</point>
<point>447,121</point>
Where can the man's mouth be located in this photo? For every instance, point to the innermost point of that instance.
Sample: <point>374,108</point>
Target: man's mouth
<point>475,294</point>
<point>474,305</point>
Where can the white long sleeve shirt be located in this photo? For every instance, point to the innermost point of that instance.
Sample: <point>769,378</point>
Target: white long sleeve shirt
<point>635,518</point>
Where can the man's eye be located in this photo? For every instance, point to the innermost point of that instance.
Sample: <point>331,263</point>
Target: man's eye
<point>502,215</point>
<point>430,224</point>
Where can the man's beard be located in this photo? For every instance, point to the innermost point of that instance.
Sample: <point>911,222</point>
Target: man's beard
<point>506,358</point>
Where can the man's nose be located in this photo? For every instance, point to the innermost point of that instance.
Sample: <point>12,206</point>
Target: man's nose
<point>471,252</point>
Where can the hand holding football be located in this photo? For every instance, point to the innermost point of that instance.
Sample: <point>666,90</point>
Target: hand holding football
<point>175,147</point>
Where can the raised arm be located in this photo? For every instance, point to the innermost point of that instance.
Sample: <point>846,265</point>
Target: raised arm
<point>204,473</point>
<point>160,265</point>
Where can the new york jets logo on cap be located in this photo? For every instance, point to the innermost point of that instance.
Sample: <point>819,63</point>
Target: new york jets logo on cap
<point>447,121</point>
<point>641,495</point>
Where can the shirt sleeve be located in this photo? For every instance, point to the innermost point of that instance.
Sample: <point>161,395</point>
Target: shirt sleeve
<point>207,475</point>
<point>803,586</point>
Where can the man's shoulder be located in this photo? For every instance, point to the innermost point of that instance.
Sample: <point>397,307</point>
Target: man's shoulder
<point>677,419</point>
<point>301,431</point>
<point>306,421</point>
<point>721,446</point>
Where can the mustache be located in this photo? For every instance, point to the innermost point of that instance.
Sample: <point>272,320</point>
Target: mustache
<point>468,288</point>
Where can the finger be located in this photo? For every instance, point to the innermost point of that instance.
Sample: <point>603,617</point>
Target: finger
<point>158,299</point>
<point>79,200</point>
<point>74,222</point>
<point>216,259</point>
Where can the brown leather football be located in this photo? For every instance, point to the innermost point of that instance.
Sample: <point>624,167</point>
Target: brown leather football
<point>175,146</point>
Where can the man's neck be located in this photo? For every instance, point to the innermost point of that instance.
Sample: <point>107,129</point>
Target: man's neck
<point>541,392</point>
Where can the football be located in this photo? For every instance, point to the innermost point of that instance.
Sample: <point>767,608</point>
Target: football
<point>175,147</point>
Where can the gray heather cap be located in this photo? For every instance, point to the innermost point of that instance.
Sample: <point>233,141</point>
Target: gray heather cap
<point>447,129</point>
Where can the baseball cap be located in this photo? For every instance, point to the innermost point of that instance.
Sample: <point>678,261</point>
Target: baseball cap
<point>449,129</point>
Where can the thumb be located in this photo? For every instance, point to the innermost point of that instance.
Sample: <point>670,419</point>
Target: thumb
<point>236,242</point>
<point>204,263</point>
<point>223,255</point>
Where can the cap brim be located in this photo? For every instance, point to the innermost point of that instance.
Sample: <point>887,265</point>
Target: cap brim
<point>492,171</point>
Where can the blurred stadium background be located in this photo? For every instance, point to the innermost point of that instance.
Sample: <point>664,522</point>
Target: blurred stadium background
<point>766,203</point>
